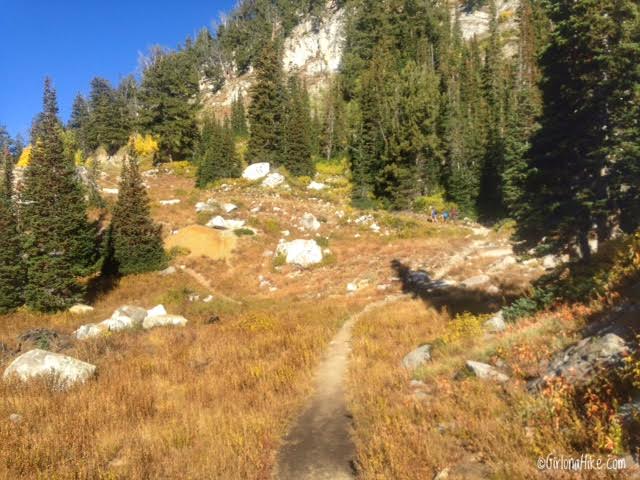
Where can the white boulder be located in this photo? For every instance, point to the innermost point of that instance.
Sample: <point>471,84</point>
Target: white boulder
<point>164,321</point>
<point>309,222</point>
<point>208,206</point>
<point>486,372</point>
<point>273,180</point>
<point>168,203</point>
<point>300,252</point>
<point>137,314</point>
<point>223,224</point>
<point>156,311</point>
<point>36,363</point>
<point>256,171</point>
<point>229,207</point>
<point>80,309</point>
<point>110,191</point>
<point>90,330</point>
<point>496,323</point>
<point>316,186</point>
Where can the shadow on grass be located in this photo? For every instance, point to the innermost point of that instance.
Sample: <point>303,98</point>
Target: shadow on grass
<point>100,285</point>
<point>444,296</point>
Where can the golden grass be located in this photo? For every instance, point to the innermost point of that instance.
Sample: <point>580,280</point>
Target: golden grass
<point>501,427</point>
<point>206,401</point>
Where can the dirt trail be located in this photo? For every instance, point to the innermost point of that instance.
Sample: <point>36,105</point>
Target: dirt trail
<point>198,277</point>
<point>319,445</point>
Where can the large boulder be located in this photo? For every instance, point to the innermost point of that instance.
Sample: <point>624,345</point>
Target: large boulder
<point>300,252</point>
<point>137,314</point>
<point>496,323</point>
<point>485,371</point>
<point>580,363</point>
<point>156,311</point>
<point>309,222</point>
<point>417,357</point>
<point>80,309</point>
<point>37,363</point>
<point>273,180</point>
<point>164,321</point>
<point>223,224</point>
<point>256,171</point>
<point>90,330</point>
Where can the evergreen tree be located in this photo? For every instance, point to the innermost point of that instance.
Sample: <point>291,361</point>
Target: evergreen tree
<point>296,142</point>
<point>79,121</point>
<point>134,237</point>
<point>168,104</point>
<point>333,135</point>
<point>216,155</point>
<point>238,117</point>
<point>59,243</point>
<point>575,153</point>
<point>108,124</point>
<point>266,112</point>
<point>12,271</point>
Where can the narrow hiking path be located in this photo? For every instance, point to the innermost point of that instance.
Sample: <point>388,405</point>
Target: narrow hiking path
<point>198,277</point>
<point>319,445</point>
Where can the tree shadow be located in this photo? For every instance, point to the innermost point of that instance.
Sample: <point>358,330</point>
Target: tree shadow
<point>100,285</point>
<point>442,295</point>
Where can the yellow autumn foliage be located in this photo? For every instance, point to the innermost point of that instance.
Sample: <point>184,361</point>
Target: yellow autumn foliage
<point>144,146</point>
<point>25,157</point>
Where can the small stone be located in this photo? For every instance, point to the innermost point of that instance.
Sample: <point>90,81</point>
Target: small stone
<point>496,323</point>
<point>167,271</point>
<point>485,371</point>
<point>164,321</point>
<point>15,418</point>
<point>352,287</point>
<point>169,203</point>
<point>208,299</point>
<point>417,357</point>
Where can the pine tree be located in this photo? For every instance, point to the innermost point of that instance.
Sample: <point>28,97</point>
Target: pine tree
<point>79,121</point>
<point>238,117</point>
<point>12,271</point>
<point>108,124</point>
<point>168,104</point>
<point>59,242</point>
<point>576,150</point>
<point>296,142</point>
<point>266,112</point>
<point>216,155</point>
<point>134,237</point>
<point>333,131</point>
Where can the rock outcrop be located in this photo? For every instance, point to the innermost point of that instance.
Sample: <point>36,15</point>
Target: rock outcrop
<point>303,253</point>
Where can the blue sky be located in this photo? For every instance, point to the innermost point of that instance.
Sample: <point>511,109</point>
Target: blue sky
<point>74,40</point>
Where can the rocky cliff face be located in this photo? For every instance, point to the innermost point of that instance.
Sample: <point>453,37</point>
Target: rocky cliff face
<point>315,51</point>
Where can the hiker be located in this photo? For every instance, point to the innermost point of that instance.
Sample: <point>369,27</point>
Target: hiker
<point>454,213</point>
<point>445,216</point>
<point>434,215</point>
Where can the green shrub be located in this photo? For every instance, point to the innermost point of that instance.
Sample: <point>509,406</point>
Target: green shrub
<point>243,232</point>
<point>323,242</point>
<point>334,167</point>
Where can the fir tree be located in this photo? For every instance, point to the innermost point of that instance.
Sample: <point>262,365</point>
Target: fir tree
<point>268,100</point>
<point>216,155</point>
<point>12,270</point>
<point>134,237</point>
<point>59,243</point>
<point>108,124</point>
<point>296,143</point>
<point>168,104</point>
<point>79,121</point>
<point>238,117</point>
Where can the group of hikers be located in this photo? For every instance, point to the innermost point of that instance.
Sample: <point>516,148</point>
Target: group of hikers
<point>445,216</point>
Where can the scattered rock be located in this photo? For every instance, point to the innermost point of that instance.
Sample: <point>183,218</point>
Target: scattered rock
<point>504,263</point>
<point>375,228</point>
<point>222,224</point>
<point>303,253</point>
<point>364,219</point>
<point>256,171</point>
<point>580,363</point>
<point>168,203</point>
<point>156,311</point>
<point>110,191</point>
<point>15,418</point>
<point>208,299</point>
<point>316,186</point>
<point>496,252</point>
<point>485,371</point>
<point>417,357</point>
<point>137,314</point>
<point>81,309</point>
<point>163,321</point>
<point>167,271</point>
<point>208,206</point>
<point>36,363</point>
<point>229,207</point>
<point>309,222</point>
<point>352,287</point>
<point>496,323</point>
<point>476,281</point>
<point>273,180</point>
<point>89,331</point>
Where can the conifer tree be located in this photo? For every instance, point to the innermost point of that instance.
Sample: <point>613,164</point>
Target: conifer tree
<point>134,237</point>
<point>108,124</point>
<point>12,269</point>
<point>168,100</point>
<point>79,121</point>
<point>296,142</point>
<point>216,155</point>
<point>238,117</point>
<point>59,242</point>
<point>266,112</point>
<point>333,136</point>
